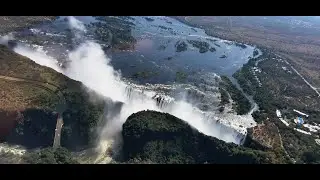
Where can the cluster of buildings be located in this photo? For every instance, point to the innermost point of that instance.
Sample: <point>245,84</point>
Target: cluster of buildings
<point>280,118</point>
<point>300,122</point>
<point>286,69</point>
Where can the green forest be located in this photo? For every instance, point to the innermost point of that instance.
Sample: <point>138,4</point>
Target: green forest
<point>241,103</point>
<point>270,97</point>
<point>49,156</point>
<point>156,137</point>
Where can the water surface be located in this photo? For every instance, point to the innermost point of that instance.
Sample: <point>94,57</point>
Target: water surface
<point>154,54</point>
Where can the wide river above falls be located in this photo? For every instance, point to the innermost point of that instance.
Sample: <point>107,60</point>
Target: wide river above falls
<point>154,55</point>
<point>153,65</point>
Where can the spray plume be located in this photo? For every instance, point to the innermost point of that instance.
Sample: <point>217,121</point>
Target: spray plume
<point>5,39</point>
<point>90,65</point>
<point>76,24</point>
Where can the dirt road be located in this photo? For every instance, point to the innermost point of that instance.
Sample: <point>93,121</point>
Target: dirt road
<point>308,83</point>
<point>285,151</point>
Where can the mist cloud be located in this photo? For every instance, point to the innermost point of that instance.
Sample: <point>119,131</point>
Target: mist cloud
<point>76,24</point>
<point>39,56</point>
<point>4,39</point>
<point>90,65</point>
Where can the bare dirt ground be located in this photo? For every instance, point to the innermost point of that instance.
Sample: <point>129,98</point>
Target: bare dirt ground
<point>266,135</point>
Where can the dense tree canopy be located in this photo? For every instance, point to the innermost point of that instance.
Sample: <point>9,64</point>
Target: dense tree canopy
<point>241,103</point>
<point>50,156</point>
<point>163,138</point>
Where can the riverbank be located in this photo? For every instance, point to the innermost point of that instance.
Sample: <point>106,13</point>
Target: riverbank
<point>15,23</point>
<point>301,45</point>
<point>275,84</point>
<point>97,77</point>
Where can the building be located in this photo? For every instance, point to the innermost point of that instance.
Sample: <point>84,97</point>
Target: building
<point>299,120</point>
<point>278,113</point>
<point>301,113</point>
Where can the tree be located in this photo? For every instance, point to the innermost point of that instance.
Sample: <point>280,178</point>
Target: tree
<point>50,156</point>
<point>311,157</point>
<point>163,138</point>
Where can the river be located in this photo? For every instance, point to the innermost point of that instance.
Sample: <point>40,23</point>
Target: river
<point>155,53</point>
